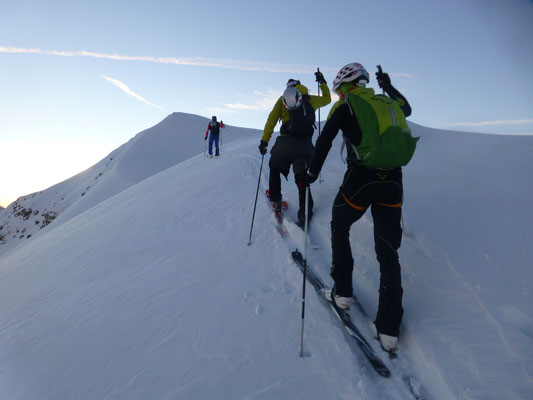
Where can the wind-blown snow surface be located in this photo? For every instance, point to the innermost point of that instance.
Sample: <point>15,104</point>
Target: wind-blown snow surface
<point>177,138</point>
<point>154,293</point>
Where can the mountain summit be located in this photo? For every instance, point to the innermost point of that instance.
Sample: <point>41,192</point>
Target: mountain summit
<point>176,138</point>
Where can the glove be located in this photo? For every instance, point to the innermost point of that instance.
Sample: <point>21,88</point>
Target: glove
<point>319,77</point>
<point>383,80</point>
<point>309,178</point>
<point>205,138</point>
<point>263,147</point>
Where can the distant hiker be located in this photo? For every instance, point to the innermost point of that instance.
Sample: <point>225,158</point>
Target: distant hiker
<point>214,127</point>
<point>379,142</point>
<point>296,110</point>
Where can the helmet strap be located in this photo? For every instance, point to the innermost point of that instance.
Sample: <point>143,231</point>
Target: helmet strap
<point>345,88</point>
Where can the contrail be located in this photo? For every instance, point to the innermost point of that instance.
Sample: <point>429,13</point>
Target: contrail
<point>130,92</point>
<point>245,65</point>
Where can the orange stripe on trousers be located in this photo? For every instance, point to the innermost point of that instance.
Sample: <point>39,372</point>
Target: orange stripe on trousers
<point>397,205</point>
<point>352,204</point>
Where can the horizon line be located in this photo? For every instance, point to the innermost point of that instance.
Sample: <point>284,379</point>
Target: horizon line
<point>495,122</point>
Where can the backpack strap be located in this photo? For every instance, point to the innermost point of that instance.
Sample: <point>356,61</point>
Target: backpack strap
<point>345,139</point>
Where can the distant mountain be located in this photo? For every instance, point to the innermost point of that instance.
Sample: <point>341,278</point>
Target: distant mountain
<point>176,138</point>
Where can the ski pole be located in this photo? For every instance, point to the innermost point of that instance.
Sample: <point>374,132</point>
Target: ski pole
<point>205,147</point>
<point>318,84</point>
<point>305,268</point>
<point>320,180</point>
<point>380,71</point>
<point>255,203</point>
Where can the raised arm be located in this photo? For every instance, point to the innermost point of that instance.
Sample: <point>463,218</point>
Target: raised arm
<point>384,82</point>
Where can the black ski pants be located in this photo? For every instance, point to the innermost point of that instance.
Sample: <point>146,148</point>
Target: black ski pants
<point>287,151</point>
<point>382,192</point>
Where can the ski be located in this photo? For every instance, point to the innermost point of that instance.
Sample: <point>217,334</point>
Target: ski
<point>391,353</point>
<point>359,339</point>
<point>413,385</point>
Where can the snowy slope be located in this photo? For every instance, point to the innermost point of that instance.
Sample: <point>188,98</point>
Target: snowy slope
<point>177,138</point>
<point>154,294</point>
<point>468,251</point>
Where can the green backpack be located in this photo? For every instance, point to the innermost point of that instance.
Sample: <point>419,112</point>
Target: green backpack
<point>386,141</point>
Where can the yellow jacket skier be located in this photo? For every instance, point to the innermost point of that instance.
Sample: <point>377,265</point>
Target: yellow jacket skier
<point>296,111</point>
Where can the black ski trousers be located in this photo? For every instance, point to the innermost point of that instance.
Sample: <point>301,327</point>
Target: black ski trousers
<point>382,192</point>
<point>287,151</point>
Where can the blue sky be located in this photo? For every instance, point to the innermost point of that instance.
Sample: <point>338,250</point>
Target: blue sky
<point>78,79</point>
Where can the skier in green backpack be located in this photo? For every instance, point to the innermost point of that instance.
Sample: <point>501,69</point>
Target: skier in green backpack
<point>379,143</point>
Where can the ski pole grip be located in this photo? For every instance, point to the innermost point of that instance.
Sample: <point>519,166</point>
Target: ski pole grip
<point>379,69</point>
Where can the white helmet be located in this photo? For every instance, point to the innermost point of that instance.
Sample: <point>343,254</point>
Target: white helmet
<point>292,98</point>
<point>353,72</point>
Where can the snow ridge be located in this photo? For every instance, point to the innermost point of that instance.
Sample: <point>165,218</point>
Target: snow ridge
<point>154,293</point>
<point>176,138</point>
